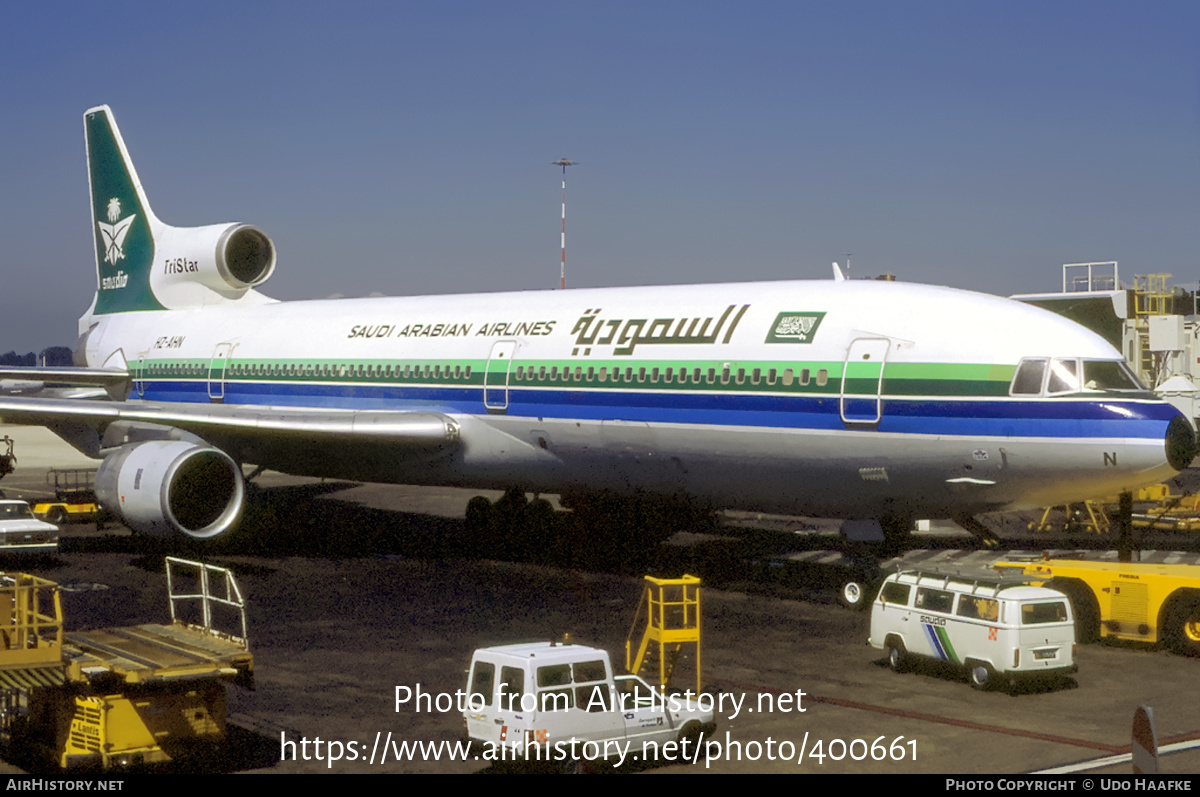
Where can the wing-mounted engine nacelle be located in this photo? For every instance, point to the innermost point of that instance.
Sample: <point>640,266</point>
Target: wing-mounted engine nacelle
<point>224,257</point>
<point>172,486</point>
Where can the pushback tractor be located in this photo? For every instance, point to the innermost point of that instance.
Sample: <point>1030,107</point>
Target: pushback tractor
<point>1140,602</point>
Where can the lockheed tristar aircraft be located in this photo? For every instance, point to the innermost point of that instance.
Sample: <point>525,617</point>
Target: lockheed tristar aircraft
<point>873,401</point>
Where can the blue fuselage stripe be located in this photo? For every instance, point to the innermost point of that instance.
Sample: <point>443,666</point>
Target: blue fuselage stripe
<point>1053,418</point>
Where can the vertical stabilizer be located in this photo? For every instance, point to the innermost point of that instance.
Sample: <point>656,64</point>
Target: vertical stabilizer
<point>123,225</point>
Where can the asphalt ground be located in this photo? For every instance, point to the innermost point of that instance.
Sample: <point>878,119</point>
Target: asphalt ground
<point>336,631</point>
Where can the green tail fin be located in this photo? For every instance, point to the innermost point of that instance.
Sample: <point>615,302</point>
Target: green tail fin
<point>122,222</point>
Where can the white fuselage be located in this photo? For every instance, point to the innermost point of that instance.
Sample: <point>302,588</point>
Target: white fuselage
<point>846,399</point>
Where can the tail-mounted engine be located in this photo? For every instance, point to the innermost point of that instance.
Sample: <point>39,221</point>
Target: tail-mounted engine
<point>168,486</point>
<point>224,257</point>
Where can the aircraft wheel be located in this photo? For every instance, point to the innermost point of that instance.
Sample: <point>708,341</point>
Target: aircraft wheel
<point>981,674</point>
<point>854,595</point>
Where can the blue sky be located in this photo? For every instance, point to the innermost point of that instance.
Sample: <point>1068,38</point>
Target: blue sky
<point>406,148</point>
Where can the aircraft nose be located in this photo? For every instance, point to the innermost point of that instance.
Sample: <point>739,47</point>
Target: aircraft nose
<point>1180,443</point>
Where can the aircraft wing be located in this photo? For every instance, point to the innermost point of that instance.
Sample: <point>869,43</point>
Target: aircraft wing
<point>66,375</point>
<point>239,427</point>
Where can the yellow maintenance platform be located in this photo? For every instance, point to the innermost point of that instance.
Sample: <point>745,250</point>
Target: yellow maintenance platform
<point>120,697</point>
<point>670,609</point>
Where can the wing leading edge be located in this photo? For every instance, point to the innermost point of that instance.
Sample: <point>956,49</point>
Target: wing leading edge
<point>419,432</point>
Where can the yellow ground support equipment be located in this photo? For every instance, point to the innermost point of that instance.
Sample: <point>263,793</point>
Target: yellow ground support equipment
<point>120,697</point>
<point>670,609</point>
<point>1088,516</point>
<point>74,497</point>
<point>1122,600</point>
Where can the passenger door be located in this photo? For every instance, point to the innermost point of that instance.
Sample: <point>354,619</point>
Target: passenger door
<point>862,381</point>
<point>495,376</point>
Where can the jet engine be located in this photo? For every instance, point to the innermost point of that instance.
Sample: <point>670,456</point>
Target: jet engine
<point>223,257</point>
<point>162,487</point>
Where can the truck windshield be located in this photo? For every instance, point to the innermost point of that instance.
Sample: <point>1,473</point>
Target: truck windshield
<point>11,511</point>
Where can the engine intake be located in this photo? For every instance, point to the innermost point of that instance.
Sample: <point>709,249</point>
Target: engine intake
<point>245,256</point>
<point>163,487</point>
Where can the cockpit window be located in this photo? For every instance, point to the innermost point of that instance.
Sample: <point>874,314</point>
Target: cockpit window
<point>1037,376</point>
<point>1028,381</point>
<point>1109,375</point>
<point>1064,377</point>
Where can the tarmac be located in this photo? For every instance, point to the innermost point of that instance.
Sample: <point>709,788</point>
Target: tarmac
<point>334,636</point>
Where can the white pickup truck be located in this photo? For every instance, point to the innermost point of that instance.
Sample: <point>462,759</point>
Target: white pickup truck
<point>562,704</point>
<point>22,533</point>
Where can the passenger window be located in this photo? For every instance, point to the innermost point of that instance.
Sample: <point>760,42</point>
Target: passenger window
<point>977,608</point>
<point>592,698</point>
<point>634,694</point>
<point>483,681</point>
<point>893,592</point>
<point>512,682</point>
<point>554,675</point>
<point>556,699</point>
<point>1028,379</point>
<point>934,600</point>
<point>822,377</point>
<point>590,671</point>
<point>1038,613</point>
<point>788,375</point>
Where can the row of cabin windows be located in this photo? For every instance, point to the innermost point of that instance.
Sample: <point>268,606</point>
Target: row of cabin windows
<point>680,376</point>
<point>326,370</point>
<point>540,373</point>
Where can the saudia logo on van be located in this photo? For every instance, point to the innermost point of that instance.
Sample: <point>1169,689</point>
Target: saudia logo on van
<point>626,334</point>
<point>794,327</point>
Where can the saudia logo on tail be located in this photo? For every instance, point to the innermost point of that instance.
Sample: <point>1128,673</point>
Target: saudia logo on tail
<point>124,244</point>
<point>113,235</point>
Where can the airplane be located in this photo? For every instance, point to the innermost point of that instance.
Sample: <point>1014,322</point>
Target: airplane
<point>873,401</point>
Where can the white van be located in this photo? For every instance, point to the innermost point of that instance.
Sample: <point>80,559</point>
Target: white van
<point>556,702</point>
<point>995,626</point>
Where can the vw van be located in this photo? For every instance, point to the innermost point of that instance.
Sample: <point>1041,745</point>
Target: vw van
<point>996,627</point>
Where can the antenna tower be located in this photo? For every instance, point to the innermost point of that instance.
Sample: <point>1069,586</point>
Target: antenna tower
<point>562,274</point>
